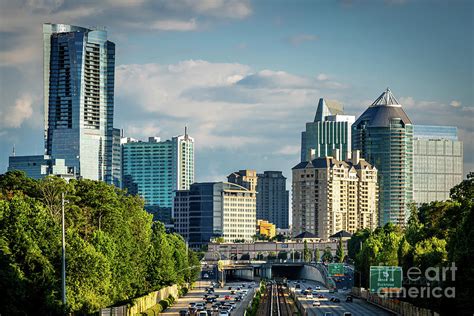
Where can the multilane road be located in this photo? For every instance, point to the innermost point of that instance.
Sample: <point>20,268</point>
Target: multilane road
<point>197,293</point>
<point>357,308</point>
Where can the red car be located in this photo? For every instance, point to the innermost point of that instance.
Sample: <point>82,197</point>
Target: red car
<point>227,297</point>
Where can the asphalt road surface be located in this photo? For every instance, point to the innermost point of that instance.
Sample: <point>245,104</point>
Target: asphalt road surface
<point>196,295</point>
<point>357,308</point>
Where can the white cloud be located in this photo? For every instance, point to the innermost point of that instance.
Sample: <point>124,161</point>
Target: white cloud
<point>322,77</point>
<point>455,104</point>
<point>289,150</point>
<point>224,104</point>
<point>174,25</point>
<point>15,115</point>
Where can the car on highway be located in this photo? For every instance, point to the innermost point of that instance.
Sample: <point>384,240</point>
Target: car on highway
<point>227,297</point>
<point>320,295</point>
<point>199,305</point>
<point>202,313</point>
<point>224,313</point>
<point>309,295</point>
<point>347,314</point>
<point>183,312</point>
<point>316,303</point>
<point>349,299</point>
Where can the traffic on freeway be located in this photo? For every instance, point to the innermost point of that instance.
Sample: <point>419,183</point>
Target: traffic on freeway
<point>207,299</point>
<point>318,300</point>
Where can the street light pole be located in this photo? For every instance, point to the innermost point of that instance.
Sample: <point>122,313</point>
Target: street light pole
<point>63,271</point>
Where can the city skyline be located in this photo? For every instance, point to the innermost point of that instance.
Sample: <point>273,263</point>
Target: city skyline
<point>235,95</point>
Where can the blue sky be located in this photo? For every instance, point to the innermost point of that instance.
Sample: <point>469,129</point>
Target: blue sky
<point>245,76</point>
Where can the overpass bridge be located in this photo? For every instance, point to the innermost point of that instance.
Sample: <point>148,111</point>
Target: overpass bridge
<point>257,269</point>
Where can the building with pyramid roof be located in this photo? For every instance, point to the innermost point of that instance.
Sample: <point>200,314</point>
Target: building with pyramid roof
<point>384,135</point>
<point>330,130</point>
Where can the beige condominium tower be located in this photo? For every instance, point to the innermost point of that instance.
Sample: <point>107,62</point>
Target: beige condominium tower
<point>330,195</point>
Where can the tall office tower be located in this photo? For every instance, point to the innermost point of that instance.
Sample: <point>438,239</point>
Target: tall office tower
<point>330,130</point>
<point>273,198</point>
<point>330,195</point>
<point>245,178</point>
<point>155,169</point>
<point>79,69</point>
<point>384,135</point>
<point>215,209</point>
<point>437,162</point>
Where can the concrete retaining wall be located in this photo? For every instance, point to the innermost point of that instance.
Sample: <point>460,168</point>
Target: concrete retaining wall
<point>142,303</point>
<point>394,305</point>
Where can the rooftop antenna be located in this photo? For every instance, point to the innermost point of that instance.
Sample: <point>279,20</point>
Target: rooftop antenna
<point>13,151</point>
<point>185,131</point>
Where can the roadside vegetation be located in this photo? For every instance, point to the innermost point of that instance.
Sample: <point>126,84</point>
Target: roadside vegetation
<point>437,234</point>
<point>114,252</point>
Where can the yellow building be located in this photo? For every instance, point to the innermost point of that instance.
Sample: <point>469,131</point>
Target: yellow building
<point>265,228</point>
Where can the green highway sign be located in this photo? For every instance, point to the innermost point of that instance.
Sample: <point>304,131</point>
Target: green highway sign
<point>385,279</point>
<point>336,269</point>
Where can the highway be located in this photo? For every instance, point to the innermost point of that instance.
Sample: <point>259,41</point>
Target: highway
<point>196,295</point>
<point>357,308</point>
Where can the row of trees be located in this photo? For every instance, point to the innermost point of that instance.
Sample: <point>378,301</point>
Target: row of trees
<point>437,234</point>
<point>114,252</point>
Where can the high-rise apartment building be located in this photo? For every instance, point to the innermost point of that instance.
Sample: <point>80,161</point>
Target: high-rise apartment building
<point>384,135</point>
<point>330,195</point>
<point>273,198</point>
<point>330,130</point>
<point>245,178</point>
<point>437,162</point>
<point>215,209</point>
<point>155,169</point>
<point>79,70</point>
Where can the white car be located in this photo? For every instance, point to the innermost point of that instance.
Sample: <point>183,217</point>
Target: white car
<point>317,287</point>
<point>316,303</point>
<point>309,295</point>
<point>199,306</point>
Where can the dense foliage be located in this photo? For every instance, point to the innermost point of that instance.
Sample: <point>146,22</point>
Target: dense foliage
<point>437,234</point>
<point>114,252</point>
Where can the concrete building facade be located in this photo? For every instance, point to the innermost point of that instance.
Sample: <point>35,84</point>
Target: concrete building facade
<point>330,195</point>
<point>273,198</point>
<point>215,209</point>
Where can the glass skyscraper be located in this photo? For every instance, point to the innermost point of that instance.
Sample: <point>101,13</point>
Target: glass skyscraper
<point>79,69</point>
<point>155,169</point>
<point>437,162</point>
<point>330,130</point>
<point>384,135</point>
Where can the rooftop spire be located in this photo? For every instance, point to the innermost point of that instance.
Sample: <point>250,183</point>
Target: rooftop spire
<point>386,98</point>
<point>322,111</point>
